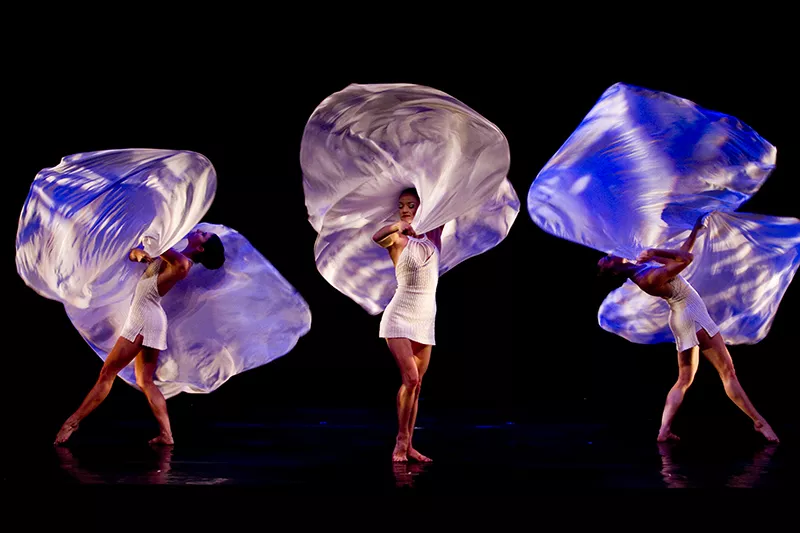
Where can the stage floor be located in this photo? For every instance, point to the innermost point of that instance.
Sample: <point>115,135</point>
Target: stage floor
<point>332,449</point>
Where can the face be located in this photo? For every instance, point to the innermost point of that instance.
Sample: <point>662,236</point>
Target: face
<point>407,205</point>
<point>197,238</point>
<point>609,262</point>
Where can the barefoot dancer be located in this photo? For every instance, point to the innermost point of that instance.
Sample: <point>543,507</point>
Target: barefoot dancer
<point>145,332</point>
<point>693,328</point>
<point>407,323</point>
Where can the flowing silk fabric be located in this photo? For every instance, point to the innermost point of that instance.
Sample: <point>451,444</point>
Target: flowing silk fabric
<point>638,171</point>
<point>79,222</point>
<point>363,145</point>
<point>82,217</point>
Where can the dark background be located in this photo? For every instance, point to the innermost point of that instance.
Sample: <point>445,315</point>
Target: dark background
<point>517,332</point>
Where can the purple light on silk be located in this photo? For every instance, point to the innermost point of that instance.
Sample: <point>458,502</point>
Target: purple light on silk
<point>638,171</point>
<point>363,145</point>
<point>82,217</point>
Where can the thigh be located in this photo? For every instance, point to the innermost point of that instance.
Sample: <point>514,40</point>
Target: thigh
<point>422,356</point>
<point>715,350</point>
<point>688,360</point>
<point>122,354</point>
<point>403,356</point>
<point>146,364</point>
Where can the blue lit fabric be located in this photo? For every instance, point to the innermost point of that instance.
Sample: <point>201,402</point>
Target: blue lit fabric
<point>637,173</point>
<point>79,222</point>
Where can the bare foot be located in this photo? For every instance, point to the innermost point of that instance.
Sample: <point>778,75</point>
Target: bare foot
<point>163,440</point>
<point>65,432</point>
<point>400,453</point>
<point>414,454</point>
<point>765,429</point>
<point>666,436</point>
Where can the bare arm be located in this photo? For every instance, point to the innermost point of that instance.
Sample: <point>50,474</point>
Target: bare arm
<point>388,235</point>
<point>670,269</point>
<point>435,235</point>
<point>171,257</point>
<point>689,244</point>
<point>654,254</point>
<point>683,254</point>
<point>178,266</point>
<point>138,255</point>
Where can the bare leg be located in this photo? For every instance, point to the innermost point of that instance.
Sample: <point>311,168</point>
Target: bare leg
<point>687,368</point>
<point>120,356</point>
<point>404,357</point>
<point>422,357</point>
<point>145,365</point>
<point>714,350</point>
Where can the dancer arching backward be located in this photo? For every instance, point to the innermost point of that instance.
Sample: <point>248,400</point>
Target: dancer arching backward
<point>693,328</point>
<point>408,323</point>
<point>145,331</point>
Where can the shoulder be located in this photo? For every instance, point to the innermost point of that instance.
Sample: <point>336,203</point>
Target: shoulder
<point>645,274</point>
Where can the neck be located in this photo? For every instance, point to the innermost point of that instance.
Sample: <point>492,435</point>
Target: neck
<point>190,254</point>
<point>627,269</point>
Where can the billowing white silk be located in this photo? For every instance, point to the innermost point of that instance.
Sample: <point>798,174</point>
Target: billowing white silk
<point>636,174</point>
<point>79,222</point>
<point>82,217</point>
<point>363,145</point>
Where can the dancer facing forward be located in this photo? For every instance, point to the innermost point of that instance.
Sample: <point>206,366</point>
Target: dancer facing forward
<point>408,321</point>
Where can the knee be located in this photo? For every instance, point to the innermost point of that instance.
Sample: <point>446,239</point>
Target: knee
<point>107,374</point>
<point>412,381</point>
<point>144,383</point>
<point>728,373</point>
<point>684,381</point>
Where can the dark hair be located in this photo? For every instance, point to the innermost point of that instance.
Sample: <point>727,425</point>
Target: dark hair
<point>213,255</point>
<point>606,273</point>
<point>410,190</point>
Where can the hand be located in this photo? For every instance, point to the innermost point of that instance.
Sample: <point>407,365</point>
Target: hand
<point>644,256</point>
<point>140,256</point>
<point>406,229</point>
<point>702,221</point>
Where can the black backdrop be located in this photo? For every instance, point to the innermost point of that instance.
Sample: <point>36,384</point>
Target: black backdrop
<point>517,331</point>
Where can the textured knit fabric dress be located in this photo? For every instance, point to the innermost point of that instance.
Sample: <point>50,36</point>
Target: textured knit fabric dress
<point>146,316</point>
<point>687,314</point>
<point>412,312</point>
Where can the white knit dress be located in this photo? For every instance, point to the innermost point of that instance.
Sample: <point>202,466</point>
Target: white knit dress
<point>412,312</point>
<point>687,314</point>
<point>146,315</point>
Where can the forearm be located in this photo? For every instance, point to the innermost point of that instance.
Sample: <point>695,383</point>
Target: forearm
<point>689,244</point>
<point>385,232</point>
<point>675,255</point>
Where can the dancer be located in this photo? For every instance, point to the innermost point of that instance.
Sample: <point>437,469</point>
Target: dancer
<point>372,152</point>
<point>145,331</point>
<point>691,325</point>
<point>85,214</point>
<point>408,323</point>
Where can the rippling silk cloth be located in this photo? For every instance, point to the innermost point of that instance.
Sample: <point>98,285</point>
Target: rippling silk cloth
<point>363,145</point>
<point>636,174</point>
<point>83,216</point>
